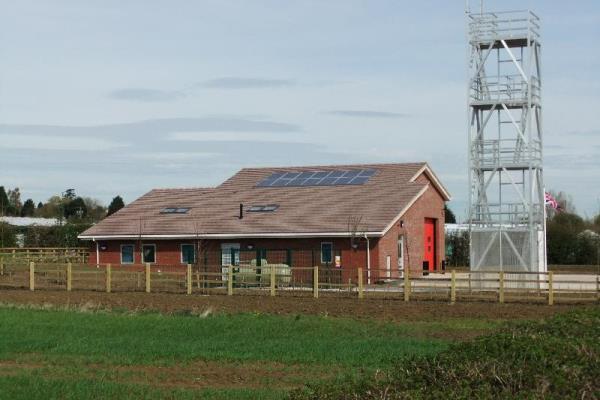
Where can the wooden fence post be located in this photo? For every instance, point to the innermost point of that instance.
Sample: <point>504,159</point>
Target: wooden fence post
<point>32,276</point>
<point>550,288</point>
<point>69,277</point>
<point>501,287</point>
<point>453,287</point>
<point>148,287</point>
<point>14,253</point>
<point>230,280</point>
<point>470,291</point>
<point>316,282</point>
<point>108,278</point>
<point>1,266</point>
<point>189,279</point>
<point>406,285</point>
<point>361,288</point>
<point>272,280</point>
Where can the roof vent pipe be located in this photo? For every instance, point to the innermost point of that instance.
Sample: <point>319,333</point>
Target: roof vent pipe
<point>241,210</point>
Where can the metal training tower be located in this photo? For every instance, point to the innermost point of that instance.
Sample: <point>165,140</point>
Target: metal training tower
<point>506,202</point>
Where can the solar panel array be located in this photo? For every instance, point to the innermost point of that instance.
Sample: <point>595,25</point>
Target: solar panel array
<point>318,178</point>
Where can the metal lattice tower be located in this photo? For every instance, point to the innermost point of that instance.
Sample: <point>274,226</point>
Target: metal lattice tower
<point>506,202</point>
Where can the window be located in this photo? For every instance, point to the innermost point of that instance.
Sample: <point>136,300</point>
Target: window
<point>127,251</point>
<point>326,253</point>
<point>266,208</point>
<point>174,210</point>
<point>230,254</point>
<point>188,254</point>
<point>149,253</point>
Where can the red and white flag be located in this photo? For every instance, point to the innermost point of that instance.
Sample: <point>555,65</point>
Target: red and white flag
<point>551,201</point>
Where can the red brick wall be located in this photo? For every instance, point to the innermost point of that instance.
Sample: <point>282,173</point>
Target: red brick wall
<point>168,251</point>
<point>429,205</point>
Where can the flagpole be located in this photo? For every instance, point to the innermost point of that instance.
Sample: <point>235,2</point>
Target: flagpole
<point>545,235</point>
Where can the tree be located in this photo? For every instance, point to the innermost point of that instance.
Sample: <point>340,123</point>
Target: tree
<point>52,208</point>
<point>115,205</point>
<point>28,208</point>
<point>95,210</point>
<point>457,249</point>
<point>75,208</point>
<point>450,217</point>
<point>4,203</point>
<point>14,198</point>
<point>563,238</point>
<point>8,237</point>
<point>69,194</point>
<point>40,205</point>
<point>596,224</point>
<point>565,202</point>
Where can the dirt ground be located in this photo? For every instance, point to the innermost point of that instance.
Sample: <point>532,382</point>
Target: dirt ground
<point>389,310</point>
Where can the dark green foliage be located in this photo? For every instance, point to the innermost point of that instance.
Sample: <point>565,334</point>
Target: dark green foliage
<point>75,208</point>
<point>5,207</point>
<point>40,205</point>
<point>565,244</point>
<point>115,205</point>
<point>587,250</point>
<point>457,249</point>
<point>554,359</point>
<point>450,217</point>
<point>55,236</point>
<point>7,235</point>
<point>28,208</point>
<point>69,194</point>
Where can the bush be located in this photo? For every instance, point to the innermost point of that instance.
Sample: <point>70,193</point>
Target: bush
<point>8,237</point>
<point>54,236</point>
<point>555,359</point>
<point>457,249</point>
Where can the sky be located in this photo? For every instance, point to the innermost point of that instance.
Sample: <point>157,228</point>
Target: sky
<point>119,97</point>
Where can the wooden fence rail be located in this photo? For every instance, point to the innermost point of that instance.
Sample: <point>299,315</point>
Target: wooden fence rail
<point>501,286</point>
<point>45,254</point>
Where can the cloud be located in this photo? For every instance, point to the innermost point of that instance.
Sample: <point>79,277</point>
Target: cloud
<point>235,137</point>
<point>61,143</point>
<point>146,95</point>
<point>179,156</point>
<point>246,83</point>
<point>157,128</point>
<point>367,114</point>
<point>593,132</point>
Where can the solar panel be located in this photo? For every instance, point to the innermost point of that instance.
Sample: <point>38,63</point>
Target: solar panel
<point>318,178</point>
<point>352,174</point>
<point>359,180</point>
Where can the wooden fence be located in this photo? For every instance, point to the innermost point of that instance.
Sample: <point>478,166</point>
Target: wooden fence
<point>45,254</point>
<point>277,280</point>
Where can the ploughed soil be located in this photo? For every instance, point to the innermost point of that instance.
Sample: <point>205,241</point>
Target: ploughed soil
<point>188,375</point>
<point>382,309</point>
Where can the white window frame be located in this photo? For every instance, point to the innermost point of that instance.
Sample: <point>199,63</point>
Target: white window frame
<point>142,254</point>
<point>121,254</point>
<point>330,261</point>
<point>181,251</point>
<point>227,247</point>
<point>388,266</point>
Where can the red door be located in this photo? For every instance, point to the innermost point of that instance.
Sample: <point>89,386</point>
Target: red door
<point>429,244</point>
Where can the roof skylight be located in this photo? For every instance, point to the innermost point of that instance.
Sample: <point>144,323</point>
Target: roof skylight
<point>174,210</point>
<point>263,208</point>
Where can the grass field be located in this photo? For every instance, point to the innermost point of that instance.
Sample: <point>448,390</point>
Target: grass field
<point>76,354</point>
<point>557,358</point>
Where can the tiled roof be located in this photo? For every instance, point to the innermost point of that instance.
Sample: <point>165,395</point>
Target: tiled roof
<point>302,210</point>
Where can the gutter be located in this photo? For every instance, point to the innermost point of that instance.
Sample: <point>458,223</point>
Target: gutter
<point>230,236</point>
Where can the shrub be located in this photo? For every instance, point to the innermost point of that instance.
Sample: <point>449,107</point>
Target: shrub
<point>555,359</point>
